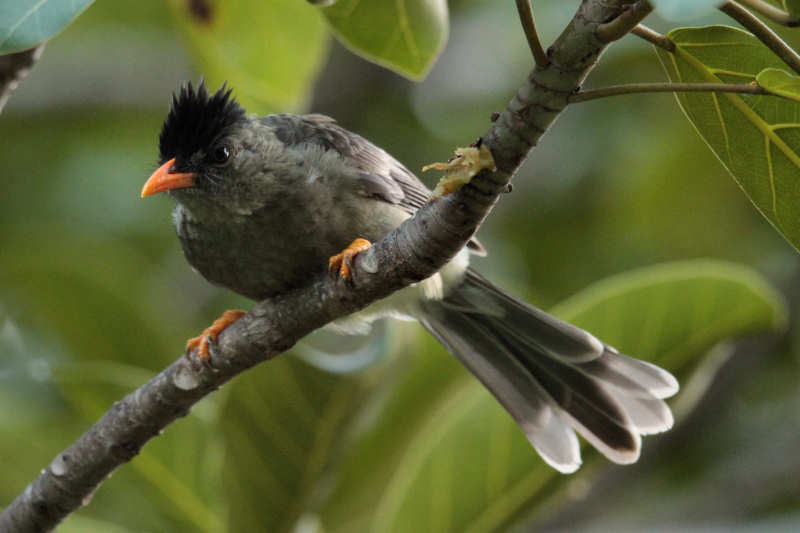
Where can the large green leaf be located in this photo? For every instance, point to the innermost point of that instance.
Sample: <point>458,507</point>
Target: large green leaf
<point>269,52</point>
<point>455,460</point>
<point>283,424</point>
<point>26,23</point>
<point>757,138</point>
<point>405,36</point>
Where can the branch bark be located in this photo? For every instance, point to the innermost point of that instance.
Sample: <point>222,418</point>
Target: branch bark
<point>414,251</point>
<point>13,68</point>
<point>622,25</point>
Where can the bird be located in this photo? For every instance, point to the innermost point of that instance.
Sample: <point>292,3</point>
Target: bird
<point>265,204</point>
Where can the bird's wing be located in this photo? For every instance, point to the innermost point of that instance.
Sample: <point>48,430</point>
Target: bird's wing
<point>381,176</point>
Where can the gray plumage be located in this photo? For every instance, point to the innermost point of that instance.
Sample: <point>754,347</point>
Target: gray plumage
<point>551,375</point>
<point>274,197</point>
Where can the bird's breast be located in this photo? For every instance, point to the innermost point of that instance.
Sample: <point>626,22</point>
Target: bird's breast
<point>281,246</point>
<point>252,256</point>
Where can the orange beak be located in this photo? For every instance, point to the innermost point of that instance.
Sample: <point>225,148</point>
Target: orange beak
<point>166,179</point>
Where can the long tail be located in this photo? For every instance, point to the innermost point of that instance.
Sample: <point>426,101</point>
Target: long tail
<point>552,377</point>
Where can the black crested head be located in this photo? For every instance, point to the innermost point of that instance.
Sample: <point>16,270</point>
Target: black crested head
<point>195,120</point>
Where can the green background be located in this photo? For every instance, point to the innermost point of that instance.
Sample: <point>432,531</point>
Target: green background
<point>95,295</point>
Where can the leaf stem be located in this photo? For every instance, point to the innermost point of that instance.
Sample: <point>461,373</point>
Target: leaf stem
<point>525,11</point>
<point>771,12</point>
<point>658,39</point>
<point>662,87</point>
<point>622,25</point>
<point>763,33</point>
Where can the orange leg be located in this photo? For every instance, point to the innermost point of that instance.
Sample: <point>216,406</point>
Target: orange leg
<point>342,261</point>
<point>201,342</point>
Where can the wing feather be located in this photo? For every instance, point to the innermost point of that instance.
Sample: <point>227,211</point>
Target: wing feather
<point>380,175</point>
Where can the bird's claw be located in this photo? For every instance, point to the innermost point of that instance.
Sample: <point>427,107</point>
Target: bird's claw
<point>343,261</point>
<point>203,345</point>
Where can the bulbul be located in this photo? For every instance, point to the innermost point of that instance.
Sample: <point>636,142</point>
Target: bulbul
<point>265,203</point>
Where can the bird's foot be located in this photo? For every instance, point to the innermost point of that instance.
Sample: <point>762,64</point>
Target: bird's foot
<point>343,260</point>
<point>202,342</point>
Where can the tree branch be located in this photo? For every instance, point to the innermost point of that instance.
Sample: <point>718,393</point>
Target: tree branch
<point>763,33</point>
<point>771,12</point>
<point>622,25</point>
<point>529,26</point>
<point>13,68</point>
<point>412,252</point>
<point>658,39</point>
<point>664,87</point>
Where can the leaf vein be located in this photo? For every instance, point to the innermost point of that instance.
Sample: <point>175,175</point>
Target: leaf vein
<point>722,124</point>
<point>740,104</point>
<point>771,174</point>
<point>35,8</point>
<point>405,29</point>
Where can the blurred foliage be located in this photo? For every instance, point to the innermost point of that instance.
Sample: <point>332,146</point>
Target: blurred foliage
<point>95,296</point>
<point>683,9</point>
<point>404,36</point>
<point>791,6</point>
<point>735,126</point>
<point>227,50</point>
<point>290,411</point>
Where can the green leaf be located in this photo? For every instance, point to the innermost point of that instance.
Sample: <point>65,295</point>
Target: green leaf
<point>282,424</point>
<point>269,52</point>
<point>26,23</point>
<point>458,462</point>
<point>672,313</point>
<point>428,373</point>
<point>405,36</point>
<point>757,138</point>
<point>780,82</point>
<point>792,6</point>
<point>76,523</point>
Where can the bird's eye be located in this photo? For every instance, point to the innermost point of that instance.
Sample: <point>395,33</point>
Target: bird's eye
<point>221,155</point>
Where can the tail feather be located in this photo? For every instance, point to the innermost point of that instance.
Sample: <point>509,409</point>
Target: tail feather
<point>552,377</point>
<point>599,413</point>
<point>511,384</point>
<point>560,339</point>
<point>631,374</point>
<point>647,415</point>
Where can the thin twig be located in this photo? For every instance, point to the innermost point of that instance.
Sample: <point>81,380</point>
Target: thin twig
<point>624,23</point>
<point>526,17</point>
<point>771,12</point>
<point>665,87</point>
<point>763,33</point>
<point>658,39</point>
